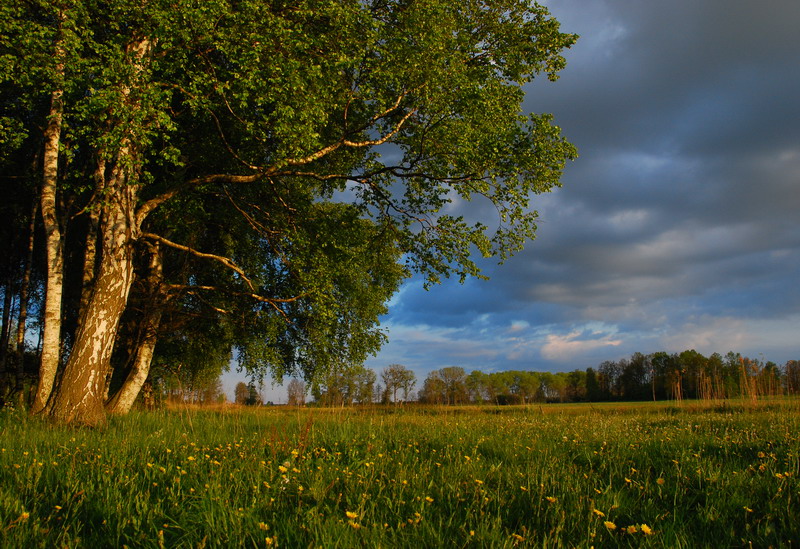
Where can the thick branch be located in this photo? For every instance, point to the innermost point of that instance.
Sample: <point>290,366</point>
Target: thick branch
<point>224,260</point>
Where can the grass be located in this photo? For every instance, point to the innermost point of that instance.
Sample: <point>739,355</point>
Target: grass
<point>647,475</point>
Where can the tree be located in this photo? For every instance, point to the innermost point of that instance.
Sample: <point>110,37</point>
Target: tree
<point>296,392</point>
<point>273,114</point>
<point>241,393</point>
<point>397,377</point>
<point>445,386</point>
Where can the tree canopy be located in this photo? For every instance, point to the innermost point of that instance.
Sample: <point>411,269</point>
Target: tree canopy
<point>282,165</point>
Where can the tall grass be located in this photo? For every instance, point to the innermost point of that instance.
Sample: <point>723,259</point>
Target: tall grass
<point>571,476</point>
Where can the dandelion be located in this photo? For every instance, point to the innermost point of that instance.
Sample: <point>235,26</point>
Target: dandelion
<point>517,537</point>
<point>351,515</point>
<point>551,499</point>
<point>660,481</point>
<point>429,499</point>
<point>610,525</point>
<point>631,529</point>
<point>746,508</point>
<point>598,512</point>
<point>646,530</point>
<point>282,469</point>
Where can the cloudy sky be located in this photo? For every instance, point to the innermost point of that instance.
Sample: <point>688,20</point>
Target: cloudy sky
<point>677,227</point>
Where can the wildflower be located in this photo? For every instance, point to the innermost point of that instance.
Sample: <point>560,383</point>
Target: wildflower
<point>746,508</point>
<point>351,515</point>
<point>269,541</point>
<point>646,530</point>
<point>429,499</point>
<point>263,526</point>
<point>24,515</point>
<point>598,512</point>
<point>517,537</point>
<point>551,499</point>
<point>631,529</point>
<point>660,481</point>
<point>610,525</point>
<point>282,469</point>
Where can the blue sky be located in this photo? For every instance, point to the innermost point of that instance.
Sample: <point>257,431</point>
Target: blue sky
<point>676,228</point>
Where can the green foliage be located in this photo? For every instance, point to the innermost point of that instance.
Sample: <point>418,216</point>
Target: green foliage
<point>294,161</point>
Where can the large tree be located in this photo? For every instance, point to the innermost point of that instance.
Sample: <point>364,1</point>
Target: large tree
<point>304,122</point>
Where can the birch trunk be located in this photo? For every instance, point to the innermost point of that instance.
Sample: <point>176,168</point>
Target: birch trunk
<point>80,397</point>
<point>51,337</point>
<point>123,400</point>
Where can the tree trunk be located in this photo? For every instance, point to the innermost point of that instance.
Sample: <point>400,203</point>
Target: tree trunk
<point>23,303</point>
<point>5,332</point>
<point>90,247</point>
<point>51,338</point>
<point>80,397</point>
<point>123,400</point>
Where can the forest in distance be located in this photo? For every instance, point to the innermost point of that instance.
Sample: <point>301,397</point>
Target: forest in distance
<point>656,376</point>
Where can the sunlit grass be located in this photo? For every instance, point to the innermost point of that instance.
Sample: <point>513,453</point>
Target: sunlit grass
<point>574,476</point>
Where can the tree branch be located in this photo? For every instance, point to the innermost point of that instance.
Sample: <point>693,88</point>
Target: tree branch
<point>224,260</point>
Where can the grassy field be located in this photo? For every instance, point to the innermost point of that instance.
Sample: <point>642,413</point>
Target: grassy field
<point>552,476</point>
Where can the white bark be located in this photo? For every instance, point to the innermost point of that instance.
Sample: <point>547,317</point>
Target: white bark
<point>51,338</point>
<point>123,400</point>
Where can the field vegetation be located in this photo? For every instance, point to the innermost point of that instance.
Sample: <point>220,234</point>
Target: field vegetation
<point>722,474</point>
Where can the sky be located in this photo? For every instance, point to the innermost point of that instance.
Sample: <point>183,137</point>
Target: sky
<point>676,228</point>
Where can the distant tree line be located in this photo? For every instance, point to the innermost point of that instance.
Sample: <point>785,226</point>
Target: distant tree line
<point>655,376</point>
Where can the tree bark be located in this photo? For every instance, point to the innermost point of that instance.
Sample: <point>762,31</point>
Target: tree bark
<point>5,332</point>
<point>80,397</point>
<point>90,246</point>
<point>123,400</point>
<point>23,302</point>
<point>51,338</point>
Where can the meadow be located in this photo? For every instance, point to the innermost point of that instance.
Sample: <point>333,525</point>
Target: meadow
<point>646,475</point>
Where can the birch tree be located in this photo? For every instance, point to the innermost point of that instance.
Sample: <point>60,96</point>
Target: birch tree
<point>392,113</point>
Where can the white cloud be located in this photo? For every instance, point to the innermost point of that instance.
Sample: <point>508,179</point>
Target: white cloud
<point>569,346</point>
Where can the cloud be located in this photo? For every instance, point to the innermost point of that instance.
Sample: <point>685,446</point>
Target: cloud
<point>566,347</point>
<point>676,227</point>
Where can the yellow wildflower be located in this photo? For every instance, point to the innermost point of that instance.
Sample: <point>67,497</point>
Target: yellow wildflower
<point>646,529</point>
<point>351,515</point>
<point>551,499</point>
<point>610,525</point>
<point>660,481</point>
<point>598,512</point>
<point>429,499</point>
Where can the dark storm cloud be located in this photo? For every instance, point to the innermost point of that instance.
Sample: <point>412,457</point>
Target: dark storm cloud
<point>677,226</point>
